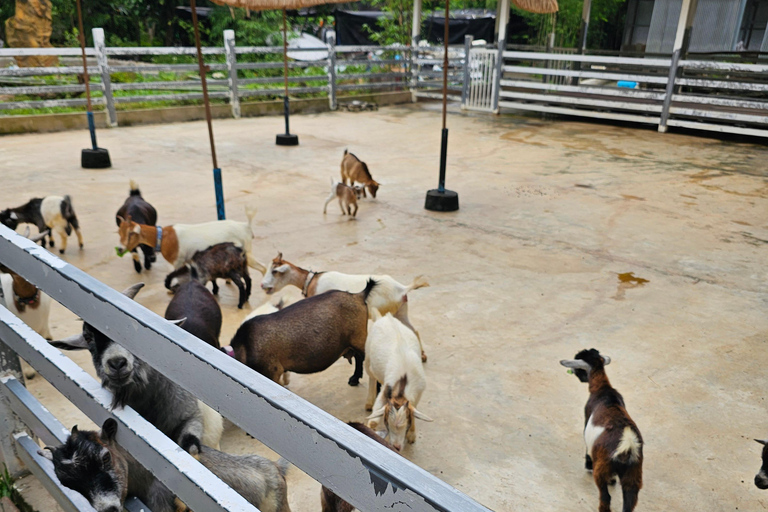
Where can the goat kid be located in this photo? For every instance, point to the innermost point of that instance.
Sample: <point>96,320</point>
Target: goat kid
<point>355,170</point>
<point>614,443</point>
<point>170,408</point>
<point>93,464</point>
<point>393,360</point>
<point>390,296</point>
<point>221,261</point>
<point>346,195</point>
<point>196,311</point>
<point>179,243</point>
<point>142,213</point>
<point>330,501</point>
<point>306,337</point>
<point>50,214</point>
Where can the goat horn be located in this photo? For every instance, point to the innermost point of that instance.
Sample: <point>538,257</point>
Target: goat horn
<point>606,360</point>
<point>131,291</point>
<point>37,237</point>
<point>179,321</point>
<point>762,442</point>
<point>420,415</point>
<point>46,452</point>
<point>378,413</point>
<point>576,364</point>
<point>76,342</point>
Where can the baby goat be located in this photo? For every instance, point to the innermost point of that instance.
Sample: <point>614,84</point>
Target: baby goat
<point>614,443</point>
<point>347,198</point>
<point>355,170</point>
<point>142,213</point>
<point>51,213</point>
<point>220,261</point>
<point>93,464</point>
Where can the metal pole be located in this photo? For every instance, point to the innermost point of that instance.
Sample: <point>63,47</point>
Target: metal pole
<point>201,65</point>
<point>91,125</point>
<point>286,106</point>
<point>444,139</point>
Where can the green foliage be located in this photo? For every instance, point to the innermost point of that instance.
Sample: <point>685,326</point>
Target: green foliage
<point>395,27</point>
<point>8,490</point>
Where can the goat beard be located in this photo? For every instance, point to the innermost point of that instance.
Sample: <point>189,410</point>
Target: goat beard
<point>136,385</point>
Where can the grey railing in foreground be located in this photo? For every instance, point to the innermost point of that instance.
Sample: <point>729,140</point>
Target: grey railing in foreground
<point>358,469</point>
<point>705,95</point>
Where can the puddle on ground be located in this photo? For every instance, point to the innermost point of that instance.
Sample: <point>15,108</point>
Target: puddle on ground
<point>635,198</point>
<point>628,281</point>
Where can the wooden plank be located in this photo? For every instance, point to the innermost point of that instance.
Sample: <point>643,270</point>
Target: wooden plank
<point>720,101</point>
<point>162,50</point>
<point>36,417</point>
<point>244,93</point>
<point>585,89</point>
<point>579,113</point>
<point>169,97</point>
<point>586,74</point>
<point>154,68</point>
<point>724,66</point>
<point>588,58</point>
<point>721,128</point>
<point>180,85</point>
<point>370,85</point>
<point>53,70</point>
<point>279,79</point>
<point>61,52</point>
<point>723,84</point>
<point>718,114</point>
<point>573,100</point>
<point>16,105</point>
<point>49,89</point>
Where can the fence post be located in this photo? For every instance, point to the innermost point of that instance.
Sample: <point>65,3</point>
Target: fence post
<point>9,422</point>
<point>229,50</point>
<point>332,73</point>
<point>412,55</point>
<point>680,48</point>
<point>670,91</point>
<point>106,79</point>
<point>499,72</point>
<point>467,74</point>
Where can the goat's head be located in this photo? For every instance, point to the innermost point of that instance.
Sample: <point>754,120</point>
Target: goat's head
<point>130,234</point>
<point>9,218</point>
<point>373,187</point>
<point>90,464</point>
<point>277,276</point>
<point>761,478</point>
<point>398,414</point>
<point>119,371</point>
<point>586,361</point>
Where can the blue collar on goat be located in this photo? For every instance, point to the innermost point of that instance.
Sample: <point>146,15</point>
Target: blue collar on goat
<point>159,238</point>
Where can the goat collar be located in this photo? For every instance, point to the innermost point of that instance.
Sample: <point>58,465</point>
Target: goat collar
<point>229,351</point>
<point>159,238</point>
<point>310,276</point>
<point>27,301</point>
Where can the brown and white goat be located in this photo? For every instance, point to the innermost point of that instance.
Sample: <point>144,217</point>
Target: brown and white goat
<point>346,195</point>
<point>614,443</point>
<point>49,214</point>
<point>328,499</point>
<point>390,296</point>
<point>355,170</point>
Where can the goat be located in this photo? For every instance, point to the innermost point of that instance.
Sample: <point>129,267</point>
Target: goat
<point>170,408</point>
<point>50,213</point>
<point>142,213</point>
<point>328,500</point>
<point>179,243</point>
<point>393,360</point>
<point>347,198</point>
<point>389,296</point>
<point>221,261</point>
<point>306,337</point>
<point>761,478</point>
<point>355,170</point>
<point>93,464</point>
<point>614,443</point>
<point>198,312</point>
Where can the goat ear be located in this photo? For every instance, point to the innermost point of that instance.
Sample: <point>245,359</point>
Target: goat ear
<point>420,415</point>
<point>179,322</point>
<point>76,342</point>
<point>283,269</point>
<point>606,360</point>
<point>74,430</point>
<point>762,442</point>
<point>46,452</point>
<point>131,291</point>
<point>378,413</point>
<point>279,256</point>
<point>137,229</point>
<point>108,430</point>
<point>576,364</point>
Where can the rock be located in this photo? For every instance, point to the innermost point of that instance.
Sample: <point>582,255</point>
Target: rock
<point>31,28</point>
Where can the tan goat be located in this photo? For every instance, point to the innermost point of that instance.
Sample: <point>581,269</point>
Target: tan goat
<point>354,170</point>
<point>347,198</point>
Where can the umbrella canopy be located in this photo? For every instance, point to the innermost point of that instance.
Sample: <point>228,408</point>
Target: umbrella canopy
<point>265,5</point>
<point>537,6</point>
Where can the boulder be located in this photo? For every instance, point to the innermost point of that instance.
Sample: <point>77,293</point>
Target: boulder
<point>31,28</point>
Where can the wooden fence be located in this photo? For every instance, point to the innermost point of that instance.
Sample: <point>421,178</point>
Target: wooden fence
<point>355,467</point>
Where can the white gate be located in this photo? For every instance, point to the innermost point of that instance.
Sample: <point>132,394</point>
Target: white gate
<point>480,80</point>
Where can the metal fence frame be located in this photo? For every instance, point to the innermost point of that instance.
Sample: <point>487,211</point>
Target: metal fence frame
<point>357,468</point>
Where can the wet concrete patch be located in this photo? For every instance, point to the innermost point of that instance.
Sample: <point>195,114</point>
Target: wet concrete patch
<point>627,281</point>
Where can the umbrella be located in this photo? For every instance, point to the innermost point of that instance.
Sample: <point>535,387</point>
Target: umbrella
<point>96,157</point>
<point>286,139</point>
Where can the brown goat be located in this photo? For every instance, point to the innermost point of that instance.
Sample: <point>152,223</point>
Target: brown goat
<point>346,195</point>
<point>305,337</point>
<point>355,170</point>
<point>329,501</point>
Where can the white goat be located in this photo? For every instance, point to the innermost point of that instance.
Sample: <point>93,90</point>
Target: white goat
<point>389,296</point>
<point>392,359</point>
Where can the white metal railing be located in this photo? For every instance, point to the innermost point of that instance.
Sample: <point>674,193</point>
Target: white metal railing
<point>355,467</point>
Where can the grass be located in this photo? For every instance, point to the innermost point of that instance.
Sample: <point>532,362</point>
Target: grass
<point>8,490</point>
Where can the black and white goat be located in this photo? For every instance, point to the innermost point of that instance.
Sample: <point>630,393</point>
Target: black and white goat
<point>94,465</point>
<point>614,443</point>
<point>170,408</point>
<point>761,478</point>
<point>144,213</point>
<point>50,214</point>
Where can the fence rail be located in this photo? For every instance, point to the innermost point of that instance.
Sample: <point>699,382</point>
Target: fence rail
<point>357,468</point>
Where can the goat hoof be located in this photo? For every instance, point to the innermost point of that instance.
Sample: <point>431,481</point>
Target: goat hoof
<point>354,381</point>
<point>51,243</point>
<point>61,251</point>
<point>81,247</point>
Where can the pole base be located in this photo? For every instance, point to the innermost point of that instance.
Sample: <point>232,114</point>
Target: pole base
<point>447,201</point>
<point>95,159</point>
<point>287,139</point>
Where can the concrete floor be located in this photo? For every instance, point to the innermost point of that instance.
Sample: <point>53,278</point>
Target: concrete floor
<point>525,274</point>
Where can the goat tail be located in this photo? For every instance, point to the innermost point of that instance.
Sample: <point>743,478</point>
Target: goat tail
<point>369,286</point>
<point>283,465</point>
<point>134,188</point>
<point>630,448</point>
<point>418,282</point>
<point>250,213</point>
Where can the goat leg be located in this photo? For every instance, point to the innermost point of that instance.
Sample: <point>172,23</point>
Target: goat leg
<point>136,261</point>
<point>240,286</point>
<point>354,380</point>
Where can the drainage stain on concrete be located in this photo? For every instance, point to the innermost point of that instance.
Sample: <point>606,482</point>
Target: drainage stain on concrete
<point>634,198</point>
<point>628,281</point>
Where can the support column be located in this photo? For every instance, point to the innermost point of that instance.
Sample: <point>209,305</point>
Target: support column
<point>10,424</point>
<point>584,26</point>
<point>106,79</point>
<point>467,72</point>
<point>679,51</point>
<point>229,51</point>
<point>332,73</point>
<point>416,30</point>
<point>501,46</point>
<point>502,19</point>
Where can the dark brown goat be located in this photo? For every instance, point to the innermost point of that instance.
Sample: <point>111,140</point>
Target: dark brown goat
<point>143,213</point>
<point>220,261</point>
<point>200,311</point>
<point>614,443</point>
<point>329,501</point>
<point>305,337</point>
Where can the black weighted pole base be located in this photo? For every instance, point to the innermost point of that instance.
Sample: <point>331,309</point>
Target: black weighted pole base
<point>95,159</point>
<point>287,139</point>
<point>446,201</point>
